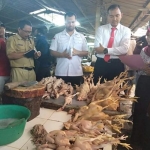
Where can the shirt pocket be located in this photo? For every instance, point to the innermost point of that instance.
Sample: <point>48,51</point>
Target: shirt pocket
<point>63,39</point>
<point>20,47</point>
<point>78,42</point>
<point>63,42</point>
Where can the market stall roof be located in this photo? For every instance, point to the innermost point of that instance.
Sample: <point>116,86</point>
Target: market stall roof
<point>136,12</point>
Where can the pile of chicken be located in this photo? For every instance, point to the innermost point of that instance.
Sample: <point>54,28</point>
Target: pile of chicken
<point>57,87</point>
<point>106,94</point>
<point>88,129</point>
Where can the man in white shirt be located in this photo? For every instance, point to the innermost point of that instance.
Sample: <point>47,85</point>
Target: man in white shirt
<point>111,40</point>
<point>68,47</point>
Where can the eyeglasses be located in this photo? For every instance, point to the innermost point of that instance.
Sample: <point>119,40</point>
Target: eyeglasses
<point>29,32</point>
<point>70,22</point>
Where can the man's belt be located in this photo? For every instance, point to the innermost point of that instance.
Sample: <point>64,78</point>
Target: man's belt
<point>26,68</point>
<point>110,60</point>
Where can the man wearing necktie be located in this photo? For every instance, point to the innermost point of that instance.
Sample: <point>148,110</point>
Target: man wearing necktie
<point>111,40</point>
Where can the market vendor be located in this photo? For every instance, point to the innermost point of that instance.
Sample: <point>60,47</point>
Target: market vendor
<point>69,47</point>
<point>22,67</point>
<point>141,119</point>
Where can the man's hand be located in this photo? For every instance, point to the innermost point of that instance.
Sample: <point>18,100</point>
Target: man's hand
<point>37,54</point>
<point>81,53</point>
<point>65,55</point>
<point>99,49</point>
<point>75,52</point>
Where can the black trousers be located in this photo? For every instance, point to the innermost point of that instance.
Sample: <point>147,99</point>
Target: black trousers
<point>42,72</point>
<point>107,70</point>
<point>74,80</point>
<point>141,119</point>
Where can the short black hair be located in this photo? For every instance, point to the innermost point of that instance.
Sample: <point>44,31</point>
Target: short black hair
<point>70,14</point>
<point>42,30</point>
<point>112,7</point>
<point>22,23</point>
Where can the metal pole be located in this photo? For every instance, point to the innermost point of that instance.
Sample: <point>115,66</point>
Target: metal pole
<point>98,15</point>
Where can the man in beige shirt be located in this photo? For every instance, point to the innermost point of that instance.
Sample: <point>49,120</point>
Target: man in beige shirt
<point>22,67</point>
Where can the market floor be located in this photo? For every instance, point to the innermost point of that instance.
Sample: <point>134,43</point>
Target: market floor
<point>51,120</point>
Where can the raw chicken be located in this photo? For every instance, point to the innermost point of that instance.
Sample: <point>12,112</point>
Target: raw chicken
<point>68,100</point>
<point>61,139</point>
<point>46,147</point>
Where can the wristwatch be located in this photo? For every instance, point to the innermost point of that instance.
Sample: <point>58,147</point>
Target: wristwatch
<point>105,51</point>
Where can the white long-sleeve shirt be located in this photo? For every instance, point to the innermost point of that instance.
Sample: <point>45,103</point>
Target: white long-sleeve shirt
<point>121,40</point>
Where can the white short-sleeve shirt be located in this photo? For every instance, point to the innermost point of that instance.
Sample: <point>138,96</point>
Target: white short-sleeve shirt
<point>63,41</point>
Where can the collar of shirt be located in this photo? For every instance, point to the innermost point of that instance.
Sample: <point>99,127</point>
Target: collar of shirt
<point>20,38</point>
<point>40,37</point>
<point>117,27</point>
<point>65,32</point>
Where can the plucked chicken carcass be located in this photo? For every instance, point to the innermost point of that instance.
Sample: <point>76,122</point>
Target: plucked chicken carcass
<point>61,139</point>
<point>108,93</point>
<point>46,95</point>
<point>82,145</point>
<point>86,126</point>
<point>83,90</point>
<point>50,137</point>
<point>46,147</point>
<point>66,89</point>
<point>109,103</point>
<point>68,100</point>
<point>56,87</point>
<point>48,80</point>
<point>89,112</point>
<point>63,148</point>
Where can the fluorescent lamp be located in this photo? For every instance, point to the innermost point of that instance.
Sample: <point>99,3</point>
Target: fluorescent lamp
<point>91,37</point>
